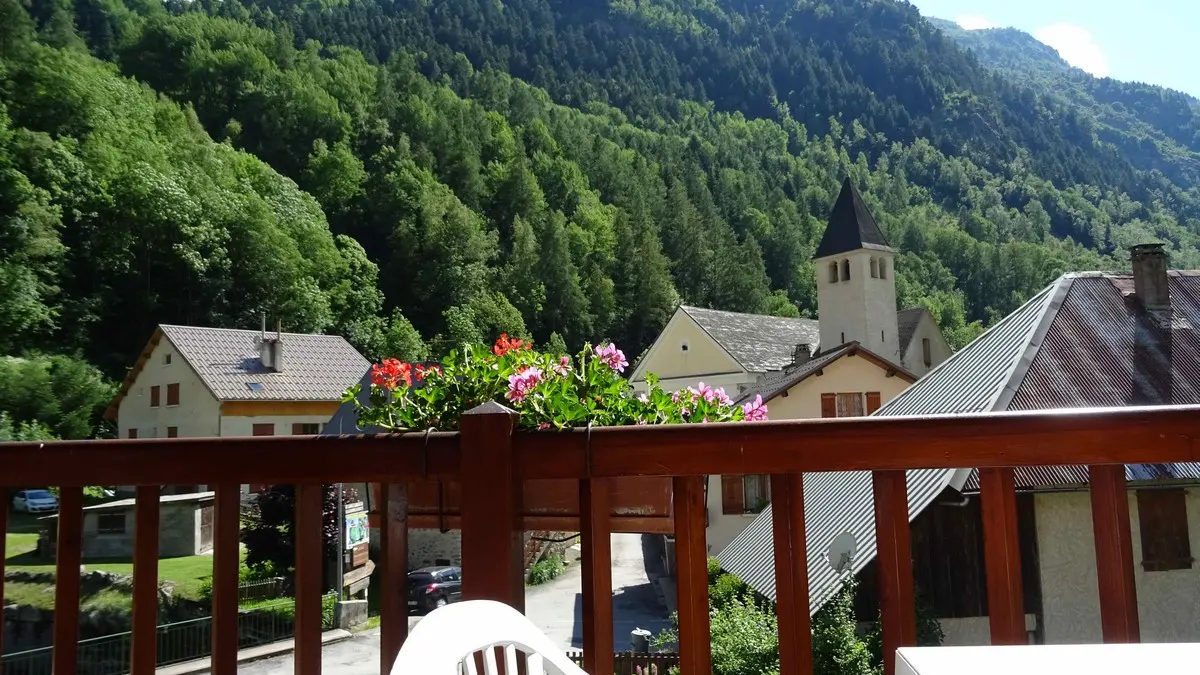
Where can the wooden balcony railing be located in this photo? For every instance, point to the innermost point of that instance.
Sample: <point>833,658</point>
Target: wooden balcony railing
<point>502,480</point>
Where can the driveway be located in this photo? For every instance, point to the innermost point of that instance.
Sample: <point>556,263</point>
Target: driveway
<point>556,608</point>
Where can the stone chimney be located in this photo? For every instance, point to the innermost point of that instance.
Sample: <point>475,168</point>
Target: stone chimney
<point>1150,277</point>
<point>802,353</point>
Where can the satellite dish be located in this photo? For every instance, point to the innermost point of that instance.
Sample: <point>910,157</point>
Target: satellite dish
<point>841,552</point>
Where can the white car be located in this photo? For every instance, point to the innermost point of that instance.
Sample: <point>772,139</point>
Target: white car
<point>35,501</point>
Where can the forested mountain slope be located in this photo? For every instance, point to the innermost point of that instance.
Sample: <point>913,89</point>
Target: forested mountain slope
<point>384,170</point>
<point>1154,127</point>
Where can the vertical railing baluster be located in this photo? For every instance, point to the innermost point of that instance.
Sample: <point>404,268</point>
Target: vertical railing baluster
<point>3,557</point>
<point>595,505</point>
<point>393,605</point>
<point>691,555</point>
<point>310,557</point>
<point>1002,557</point>
<point>68,558</point>
<point>493,565</point>
<point>226,561</point>
<point>897,605</point>
<point>791,574</point>
<point>144,652</point>
<point>1114,554</point>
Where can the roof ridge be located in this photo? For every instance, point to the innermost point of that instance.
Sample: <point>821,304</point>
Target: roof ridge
<point>247,330</point>
<point>953,358</point>
<point>1033,343</point>
<point>730,311</point>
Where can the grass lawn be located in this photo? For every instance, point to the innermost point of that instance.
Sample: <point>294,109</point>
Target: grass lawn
<point>187,573</point>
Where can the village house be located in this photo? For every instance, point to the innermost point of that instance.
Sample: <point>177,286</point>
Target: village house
<point>185,528</point>
<point>206,382</point>
<point>1090,339</point>
<point>858,356</point>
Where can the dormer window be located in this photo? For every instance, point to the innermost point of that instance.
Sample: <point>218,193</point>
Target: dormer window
<point>845,270</point>
<point>874,269</point>
<point>833,272</point>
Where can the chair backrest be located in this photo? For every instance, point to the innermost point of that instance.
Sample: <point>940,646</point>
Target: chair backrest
<point>447,641</point>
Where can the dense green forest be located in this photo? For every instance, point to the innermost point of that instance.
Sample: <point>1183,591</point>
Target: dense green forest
<point>415,173</point>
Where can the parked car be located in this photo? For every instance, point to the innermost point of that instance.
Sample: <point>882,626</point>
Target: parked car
<point>433,587</point>
<point>35,501</point>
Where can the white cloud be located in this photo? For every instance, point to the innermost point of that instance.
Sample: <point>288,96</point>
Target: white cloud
<point>1076,47</point>
<point>974,22</point>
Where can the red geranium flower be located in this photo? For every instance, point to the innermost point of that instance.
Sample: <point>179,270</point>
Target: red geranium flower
<point>390,373</point>
<point>506,344</point>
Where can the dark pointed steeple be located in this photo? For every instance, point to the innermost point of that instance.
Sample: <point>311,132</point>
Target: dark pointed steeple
<point>851,225</point>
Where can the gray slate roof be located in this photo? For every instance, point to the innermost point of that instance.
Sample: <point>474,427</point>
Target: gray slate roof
<point>906,325</point>
<point>759,343</point>
<point>315,367</point>
<point>774,383</point>
<point>987,375</point>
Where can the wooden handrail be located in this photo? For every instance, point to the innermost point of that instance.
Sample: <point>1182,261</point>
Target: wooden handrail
<point>493,468</point>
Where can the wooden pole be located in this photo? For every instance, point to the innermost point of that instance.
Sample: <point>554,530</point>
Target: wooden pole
<point>493,566</point>
<point>1114,554</point>
<point>310,559</point>
<point>791,574</point>
<point>596,541</point>
<point>1002,557</point>
<point>144,650</point>
<point>896,597</point>
<point>226,561</point>
<point>393,605</point>
<point>691,555</point>
<point>68,558</point>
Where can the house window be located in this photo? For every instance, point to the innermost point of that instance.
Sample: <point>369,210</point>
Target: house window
<point>264,429</point>
<point>926,352</point>
<point>756,489</point>
<point>874,269</point>
<point>842,405</point>
<point>172,432</point>
<point>173,394</point>
<point>683,347</point>
<point>1162,517</point>
<point>845,270</point>
<point>833,272</point>
<point>882,268</point>
<point>133,433</point>
<point>110,523</point>
<point>850,405</point>
<point>305,429</point>
<point>154,396</point>
<point>166,359</point>
<point>742,494</point>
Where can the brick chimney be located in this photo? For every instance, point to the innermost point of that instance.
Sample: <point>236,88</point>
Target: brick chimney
<point>1150,277</point>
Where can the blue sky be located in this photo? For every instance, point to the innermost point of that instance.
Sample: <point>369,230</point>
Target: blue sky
<point>1155,41</point>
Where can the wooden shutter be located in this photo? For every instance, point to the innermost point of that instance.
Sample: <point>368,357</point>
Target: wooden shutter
<point>297,428</point>
<point>828,405</point>
<point>172,432</point>
<point>264,429</point>
<point>1162,519</point>
<point>133,433</point>
<point>173,394</point>
<point>872,401</point>
<point>154,396</point>
<point>732,500</point>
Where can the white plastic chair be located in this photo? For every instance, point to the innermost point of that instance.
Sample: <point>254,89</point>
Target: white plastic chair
<point>446,641</point>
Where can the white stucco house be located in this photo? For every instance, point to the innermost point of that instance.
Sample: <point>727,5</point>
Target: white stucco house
<point>859,355</point>
<point>191,381</point>
<point>1090,339</point>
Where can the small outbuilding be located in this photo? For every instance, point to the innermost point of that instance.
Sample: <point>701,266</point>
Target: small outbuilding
<point>185,527</point>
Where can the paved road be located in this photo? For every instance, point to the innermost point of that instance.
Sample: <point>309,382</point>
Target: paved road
<point>555,607</point>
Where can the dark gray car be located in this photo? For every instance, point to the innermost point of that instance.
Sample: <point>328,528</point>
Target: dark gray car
<point>433,587</point>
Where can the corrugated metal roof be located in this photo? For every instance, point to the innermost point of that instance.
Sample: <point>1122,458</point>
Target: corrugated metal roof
<point>834,502</point>
<point>1080,342</point>
<point>315,367</point>
<point>970,380</point>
